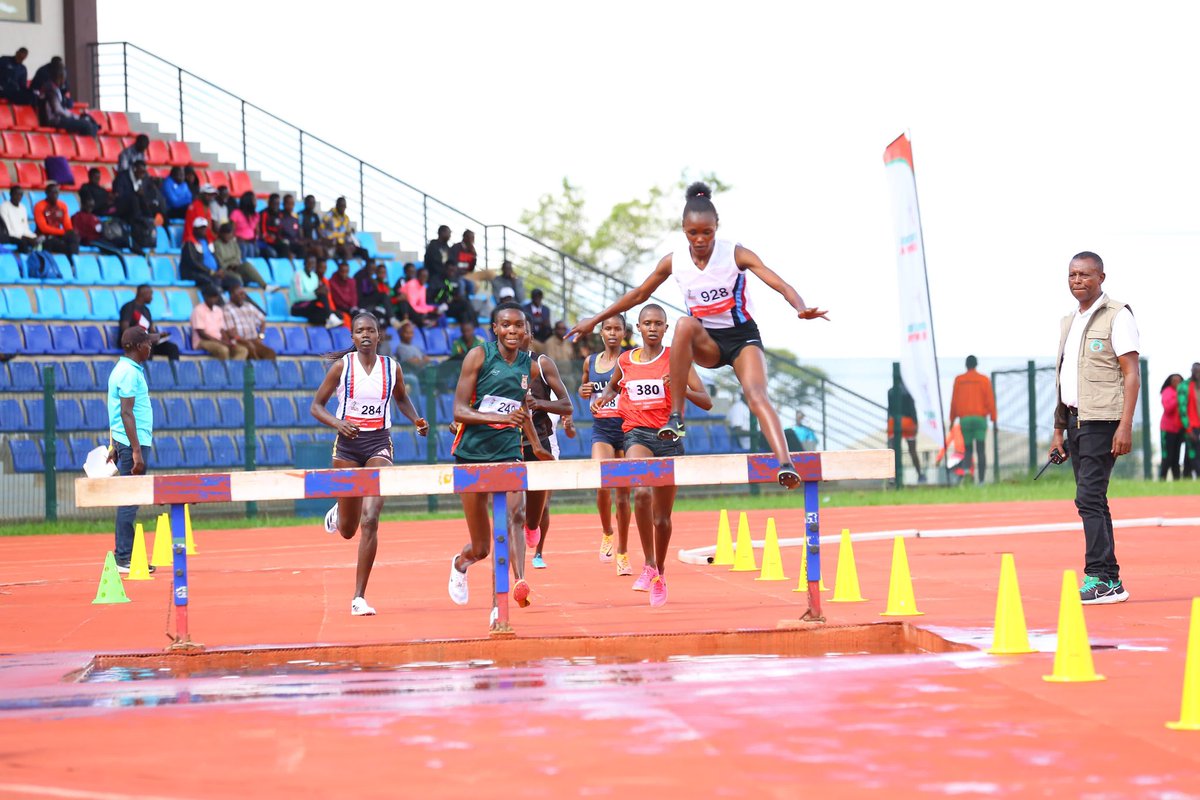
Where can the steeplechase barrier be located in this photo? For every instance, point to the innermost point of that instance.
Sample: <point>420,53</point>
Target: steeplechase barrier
<point>179,490</point>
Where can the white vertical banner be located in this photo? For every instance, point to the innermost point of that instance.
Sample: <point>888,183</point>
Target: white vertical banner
<point>918,352</point>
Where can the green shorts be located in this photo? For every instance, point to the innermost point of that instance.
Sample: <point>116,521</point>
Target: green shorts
<point>974,429</point>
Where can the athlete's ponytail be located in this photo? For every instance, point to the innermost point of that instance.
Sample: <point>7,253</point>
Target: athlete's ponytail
<point>333,357</point>
<point>699,200</point>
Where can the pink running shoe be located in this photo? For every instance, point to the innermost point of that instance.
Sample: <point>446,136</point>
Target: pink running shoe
<point>642,584</point>
<point>532,536</point>
<point>520,593</point>
<point>658,591</point>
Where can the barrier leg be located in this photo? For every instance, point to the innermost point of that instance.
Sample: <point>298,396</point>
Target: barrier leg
<point>812,534</point>
<point>182,639</point>
<point>500,565</point>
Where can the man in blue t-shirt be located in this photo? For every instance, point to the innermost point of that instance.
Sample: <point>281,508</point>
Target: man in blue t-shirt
<point>131,426</point>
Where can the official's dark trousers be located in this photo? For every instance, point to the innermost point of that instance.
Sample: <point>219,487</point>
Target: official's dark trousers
<point>1092,460</point>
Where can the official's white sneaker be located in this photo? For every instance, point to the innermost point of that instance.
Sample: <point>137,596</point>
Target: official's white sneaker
<point>458,583</point>
<point>331,519</point>
<point>359,608</point>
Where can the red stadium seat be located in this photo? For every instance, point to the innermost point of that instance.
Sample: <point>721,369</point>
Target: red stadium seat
<point>86,149</point>
<point>158,172</point>
<point>25,118</point>
<point>30,175</point>
<point>118,123</point>
<point>100,117</point>
<point>64,145</point>
<point>80,171</point>
<point>110,149</point>
<point>39,145</point>
<point>239,184</point>
<point>159,153</point>
<point>14,145</point>
<point>6,120</point>
<point>181,156</point>
<point>5,177</point>
<point>218,178</point>
<point>106,176</point>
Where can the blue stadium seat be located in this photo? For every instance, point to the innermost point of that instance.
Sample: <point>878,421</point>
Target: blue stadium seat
<point>26,455</point>
<point>180,306</point>
<point>79,377</point>
<point>296,439</point>
<point>182,340</point>
<point>158,412</point>
<point>103,369</point>
<point>314,373</point>
<point>12,417</point>
<point>262,266</point>
<point>62,456</point>
<point>237,373</point>
<point>273,339</point>
<point>87,270</point>
<point>60,373</point>
<point>163,272</point>
<point>10,339</point>
<point>112,272</point>
<point>319,341</point>
<point>17,302</point>
<point>224,453</point>
<point>179,413</point>
<point>137,270</point>
<point>232,415</point>
<point>37,340</point>
<point>403,446</point>
<point>720,439</point>
<point>571,448</point>
<point>698,441</point>
<point>65,268</point>
<point>273,451</point>
<point>266,376</point>
<point>49,303</point>
<point>194,452</point>
<point>256,296</point>
<point>213,374</point>
<point>104,305</point>
<point>24,375</point>
<point>289,374</point>
<point>159,375</point>
<point>281,272</point>
<point>277,307</point>
<point>10,269</point>
<point>187,374</point>
<point>283,410</point>
<point>34,419</point>
<point>157,307</point>
<point>175,233</point>
<point>262,413</point>
<point>65,339</point>
<point>445,407</point>
<point>341,338</point>
<point>5,378</point>
<point>80,447</point>
<point>70,414</point>
<point>295,341</point>
<point>162,242</point>
<point>204,410</point>
<point>95,414</point>
<point>167,454</point>
<point>445,441</point>
<point>91,340</point>
<point>75,303</point>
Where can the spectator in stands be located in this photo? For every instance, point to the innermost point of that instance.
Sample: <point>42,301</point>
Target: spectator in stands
<point>466,339</point>
<point>245,225</point>
<point>136,314</point>
<point>14,78</point>
<point>310,227</point>
<point>291,239</point>
<point>409,354</point>
<point>177,197</point>
<point>343,290</point>
<point>562,352</point>
<point>54,223</point>
<point>338,231</point>
<point>247,322</point>
<point>56,112</point>
<point>539,316</point>
<point>800,437</point>
<point>219,207</point>
<point>198,262</point>
<point>437,255</point>
<point>415,291</point>
<point>310,298</point>
<point>628,342</point>
<point>102,199</point>
<point>269,244</point>
<point>15,222</point>
<point>228,252</point>
<point>201,208</point>
<point>131,427</point>
<point>209,332</point>
<point>132,154</point>
<point>86,223</point>
<point>45,75</point>
<point>139,203</point>
<point>462,257</point>
<point>738,417</point>
<point>371,282</point>
<point>192,180</point>
<point>507,279</point>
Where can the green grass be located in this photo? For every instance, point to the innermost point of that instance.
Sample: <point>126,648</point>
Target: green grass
<point>1051,487</point>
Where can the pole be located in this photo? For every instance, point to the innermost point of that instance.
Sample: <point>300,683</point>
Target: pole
<point>183,639</point>
<point>1147,465</point>
<point>897,420</point>
<point>180,80</point>
<point>251,429</point>
<point>500,559</point>
<point>824,441</point>
<point>50,443</point>
<point>995,435</point>
<point>812,536</point>
<point>125,72</point>
<point>1031,374</point>
<point>245,161</point>
<point>362,202</point>
<point>429,377</point>
<point>301,161</point>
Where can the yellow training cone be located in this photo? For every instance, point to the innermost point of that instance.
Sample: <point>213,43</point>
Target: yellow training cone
<point>162,555</point>
<point>139,568</point>
<point>772,568</point>
<point>111,590</point>
<point>845,587</point>
<point>1010,636</point>
<point>743,556</point>
<point>1189,713</point>
<point>724,555</point>
<point>1073,656</point>
<point>901,602</point>
<point>803,585</point>
<point>189,544</point>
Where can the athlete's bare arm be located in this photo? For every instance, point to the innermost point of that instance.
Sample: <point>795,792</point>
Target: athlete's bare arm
<point>325,391</point>
<point>404,403</point>
<point>464,393</point>
<point>747,259</point>
<point>696,391</point>
<point>627,301</point>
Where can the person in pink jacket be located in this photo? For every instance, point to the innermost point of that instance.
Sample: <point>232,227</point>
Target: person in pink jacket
<point>1170,428</point>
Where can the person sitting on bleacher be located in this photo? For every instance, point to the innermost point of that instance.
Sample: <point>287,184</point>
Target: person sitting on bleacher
<point>54,223</point>
<point>14,78</point>
<point>465,341</point>
<point>228,252</point>
<point>507,279</point>
<point>176,194</point>
<point>15,223</point>
<point>219,208</point>
<point>45,74</point>
<point>371,282</point>
<point>209,332</point>
<point>199,209</point>
<point>102,199</point>
<point>338,231</point>
<point>343,291</point>
<point>137,313</point>
<point>244,219</point>
<point>87,224</point>
<point>538,313</point>
<point>134,153</point>
<point>409,354</point>
<point>198,263</point>
<point>57,113</point>
<point>310,299</point>
<point>247,323</point>
<point>268,230</point>
<point>291,241</point>
<point>310,228</point>
<point>139,203</point>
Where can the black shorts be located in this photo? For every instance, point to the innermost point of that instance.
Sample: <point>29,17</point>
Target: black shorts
<point>731,341</point>
<point>527,451</point>
<point>364,447</point>
<point>648,438</point>
<point>607,430</point>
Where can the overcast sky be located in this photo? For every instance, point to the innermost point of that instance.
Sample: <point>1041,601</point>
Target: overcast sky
<point>1039,130</point>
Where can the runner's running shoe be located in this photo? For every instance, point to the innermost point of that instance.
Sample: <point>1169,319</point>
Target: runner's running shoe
<point>658,592</point>
<point>520,593</point>
<point>642,584</point>
<point>623,567</point>
<point>606,547</point>
<point>359,608</point>
<point>331,519</point>
<point>538,561</point>
<point>459,591</point>
<point>673,430</point>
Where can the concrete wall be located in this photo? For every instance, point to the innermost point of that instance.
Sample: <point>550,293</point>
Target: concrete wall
<point>44,38</point>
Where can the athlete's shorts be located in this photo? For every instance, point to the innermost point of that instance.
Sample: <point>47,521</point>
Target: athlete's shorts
<point>364,447</point>
<point>908,427</point>
<point>461,460</point>
<point>974,429</point>
<point>648,438</point>
<point>548,443</point>
<point>607,430</point>
<point>731,341</point>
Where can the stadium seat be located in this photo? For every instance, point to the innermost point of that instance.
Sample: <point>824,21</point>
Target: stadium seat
<point>118,123</point>
<point>181,156</point>
<point>71,201</point>
<point>80,447</point>
<point>445,443</point>
<point>720,439</point>
<point>319,341</point>
<point>24,118</point>
<point>296,439</point>
<point>262,413</point>
<point>159,375</point>
<point>95,414</point>
<point>24,376</point>
<point>224,453</point>
<point>266,376</point>
<point>103,370</point>
<point>34,420</point>
<point>31,175</point>
<point>204,411</point>
<point>75,303</point>
<point>263,267</point>
<point>87,269</point>
<point>5,378</point>
<point>403,446</point>
<point>91,340</point>
<point>10,269</point>
<point>237,373</point>
<point>187,374</point>
<point>79,377</point>
<point>194,452</point>
<point>10,339</point>
<point>698,442</point>
<point>162,242</point>
<point>273,338</point>
<point>70,414</point>
<point>289,374</point>
<point>445,407</point>
<point>65,339</point>
<point>232,415</point>
<point>213,374</point>
<point>314,373</point>
<point>80,173</point>
<point>218,178</point>
<point>110,149</point>
<point>14,145</point>
<point>17,302</point>
<point>167,454</point>
<point>283,411</point>
<point>158,153</point>
<point>277,307</point>
<point>240,183</point>
<point>273,451</point>
<point>26,453</point>
<point>49,304</point>
<point>39,146</point>
<point>158,411</point>
<point>281,272</point>
<point>295,341</point>
<point>59,369</point>
<point>12,417</point>
<point>87,150</point>
<point>37,340</point>
<point>179,305</point>
<point>181,339</point>
<point>137,270</point>
<point>162,272</point>
<point>341,338</point>
<point>112,273</point>
<point>63,144</point>
<point>5,176</point>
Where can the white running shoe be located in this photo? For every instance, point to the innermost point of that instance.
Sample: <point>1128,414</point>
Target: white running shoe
<point>331,519</point>
<point>359,608</point>
<point>458,583</point>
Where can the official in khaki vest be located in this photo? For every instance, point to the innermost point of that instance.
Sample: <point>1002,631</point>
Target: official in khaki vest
<point>1098,383</point>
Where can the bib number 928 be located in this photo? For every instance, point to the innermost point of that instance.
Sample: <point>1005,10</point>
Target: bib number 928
<point>709,295</point>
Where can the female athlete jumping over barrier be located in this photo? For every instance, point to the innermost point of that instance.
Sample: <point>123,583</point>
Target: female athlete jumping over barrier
<point>365,383</point>
<point>720,330</point>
